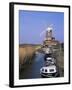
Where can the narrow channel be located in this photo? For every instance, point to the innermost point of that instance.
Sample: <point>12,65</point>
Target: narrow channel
<point>33,70</point>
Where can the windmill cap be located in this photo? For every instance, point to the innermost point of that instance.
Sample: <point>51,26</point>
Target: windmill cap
<point>49,29</point>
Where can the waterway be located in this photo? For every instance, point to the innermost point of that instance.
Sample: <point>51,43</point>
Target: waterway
<point>33,70</point>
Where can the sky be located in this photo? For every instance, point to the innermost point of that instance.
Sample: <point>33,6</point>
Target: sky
<point>32,23</point>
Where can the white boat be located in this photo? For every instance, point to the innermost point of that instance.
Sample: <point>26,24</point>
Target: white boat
<point>49,71</point>
<point>50,61</point>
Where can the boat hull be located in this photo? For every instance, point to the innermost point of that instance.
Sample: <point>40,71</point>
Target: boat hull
<point>49,75</point>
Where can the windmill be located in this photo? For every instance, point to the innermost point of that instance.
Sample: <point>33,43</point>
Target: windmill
<point>47,32</point>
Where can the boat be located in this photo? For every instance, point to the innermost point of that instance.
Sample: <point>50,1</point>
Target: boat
<point>48,71</point>
<point>50,61</point>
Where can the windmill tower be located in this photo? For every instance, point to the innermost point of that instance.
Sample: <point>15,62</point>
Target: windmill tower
<point>49,39</point>
<point>48,33</point>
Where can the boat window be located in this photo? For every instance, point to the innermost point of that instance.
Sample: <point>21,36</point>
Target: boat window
<point>45,70</point>
<point>50,60</point>
<point>42,69</point>
<point>51,70</point>
<point>48,55</point>
<point>49,64</point>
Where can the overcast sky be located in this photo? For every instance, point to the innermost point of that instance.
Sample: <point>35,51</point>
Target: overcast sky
<point>32,23</point>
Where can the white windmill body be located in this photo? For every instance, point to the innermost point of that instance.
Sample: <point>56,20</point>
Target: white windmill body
<point>48,38</point>
<point>47,32</point>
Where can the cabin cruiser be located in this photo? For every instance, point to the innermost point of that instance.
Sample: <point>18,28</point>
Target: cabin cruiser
<point>48,71</point>
<point>50,68</point>
<point>50,61</point>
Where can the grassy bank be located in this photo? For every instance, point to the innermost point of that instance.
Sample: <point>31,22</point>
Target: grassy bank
<point>60,61</point>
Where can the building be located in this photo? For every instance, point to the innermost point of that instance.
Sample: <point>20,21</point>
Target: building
<point>49,39</point>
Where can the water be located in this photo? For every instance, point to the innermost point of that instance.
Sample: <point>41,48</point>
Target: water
<point>33,70</point>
